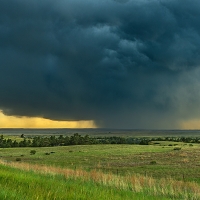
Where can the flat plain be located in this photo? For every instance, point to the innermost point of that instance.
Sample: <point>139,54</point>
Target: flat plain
<point>154,171</point>
<point>152,160</point>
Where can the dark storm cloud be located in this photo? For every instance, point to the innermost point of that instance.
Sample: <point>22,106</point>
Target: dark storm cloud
<point>123,63</point>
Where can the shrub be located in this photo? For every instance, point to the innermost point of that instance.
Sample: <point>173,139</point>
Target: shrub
<point>47,153</point>
<point>32,152</point>
<point>177,148</point>
<point>18,159</point>
<point>153,162</point>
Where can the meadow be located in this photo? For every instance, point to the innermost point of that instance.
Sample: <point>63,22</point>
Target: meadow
<point>161,170</point>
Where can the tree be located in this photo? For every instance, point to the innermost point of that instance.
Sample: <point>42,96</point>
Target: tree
<point>75,139</point>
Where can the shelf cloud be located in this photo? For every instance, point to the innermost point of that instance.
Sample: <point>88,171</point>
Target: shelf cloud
<point>121,63</point>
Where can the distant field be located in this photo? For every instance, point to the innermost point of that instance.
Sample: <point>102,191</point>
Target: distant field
<point>101,132</point>
<point>153,160</point>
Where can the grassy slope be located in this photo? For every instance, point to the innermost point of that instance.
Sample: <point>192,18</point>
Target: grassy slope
<point>20,185</point>
<point>118,159</point>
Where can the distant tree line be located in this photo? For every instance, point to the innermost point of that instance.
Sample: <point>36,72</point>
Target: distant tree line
<point>40,141</point>
<point>76,139</point>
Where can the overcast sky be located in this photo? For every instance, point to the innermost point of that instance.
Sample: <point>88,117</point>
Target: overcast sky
<point>121,63</point>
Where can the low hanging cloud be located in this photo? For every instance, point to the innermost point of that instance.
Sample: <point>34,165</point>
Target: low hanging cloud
<point>122,63</point>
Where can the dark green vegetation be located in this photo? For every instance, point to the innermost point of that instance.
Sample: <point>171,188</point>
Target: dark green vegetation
<point>77,139</point>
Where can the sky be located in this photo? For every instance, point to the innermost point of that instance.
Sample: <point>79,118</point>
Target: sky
<point>100,63</point>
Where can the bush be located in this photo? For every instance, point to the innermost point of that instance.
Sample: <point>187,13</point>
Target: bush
<point>32,152</point>
<point>18,159</point>
<point>153,162</point>
<point>177,148</point>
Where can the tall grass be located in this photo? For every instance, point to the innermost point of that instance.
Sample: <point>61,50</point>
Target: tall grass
<point>136,184</point>
<point>18,184</point>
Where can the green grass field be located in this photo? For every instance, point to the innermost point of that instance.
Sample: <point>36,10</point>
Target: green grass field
<point>118,159</point>
<point>157,161</point>
<point>18,184</point>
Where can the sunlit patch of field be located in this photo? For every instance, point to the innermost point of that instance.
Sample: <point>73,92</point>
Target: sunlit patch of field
<point>18,138</point>
<point>168,143</point>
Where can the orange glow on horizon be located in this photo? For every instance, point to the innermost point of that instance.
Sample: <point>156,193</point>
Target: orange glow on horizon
<point>37,122</point>
<point>190,124</point>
